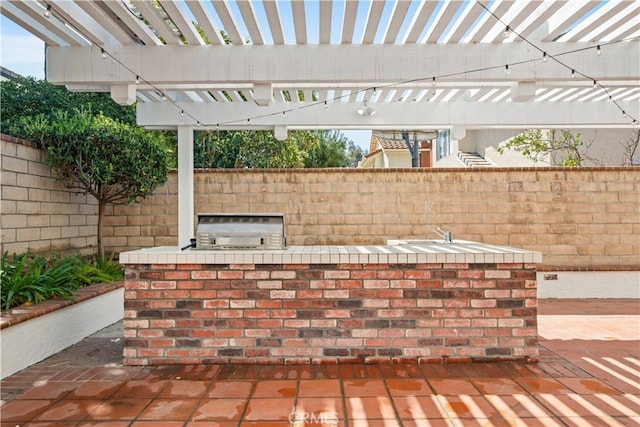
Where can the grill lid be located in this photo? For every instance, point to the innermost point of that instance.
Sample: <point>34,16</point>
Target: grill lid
<point>240,231</point>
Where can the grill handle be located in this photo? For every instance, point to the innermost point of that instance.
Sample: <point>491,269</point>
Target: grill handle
<point>192,244</point>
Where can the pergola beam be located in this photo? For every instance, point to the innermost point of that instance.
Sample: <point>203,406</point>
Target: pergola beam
<point>401,115</point>
<point>383,64</point>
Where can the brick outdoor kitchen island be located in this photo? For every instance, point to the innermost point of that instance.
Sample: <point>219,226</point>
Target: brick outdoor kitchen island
<point>424,301</point>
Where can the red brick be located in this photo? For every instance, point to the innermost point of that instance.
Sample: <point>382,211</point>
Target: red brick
<point>450,283</point>
<point>215,303</point>
<point>262,314</point>
<point>364,274</point>
<point>202,274</point>
<point>162,304</point>
<point>397,303</point>
<point>230,333</point>
<point>403,284</point>
<point>471,274</point>
<point>150,352</point>
<point>322,284</point>
<point>375,284</point>
<point>269,284</point>
<point>429,284</point>
<point>348,284</point>
<point>306,293</point>
<point>162,323</point>
<point>234,293</point>
<point>338,293</point>
<point>483,284</point>
<point>190,284</point>
<point>268,304</point>
<point>161,342</point>
<point>337,274</point>
<point>230,274</point>
<point>283,275</point>
<point>230,314</point>
<point>417,274</point>
<point>483,303</point>
<point>129,284</point>
<point>256,275</point>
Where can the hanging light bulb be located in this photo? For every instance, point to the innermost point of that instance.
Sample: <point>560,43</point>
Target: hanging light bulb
<point>433,81</point>
<point>573,73</point>
<point>164,97</point>
<point>181,113</point>
<point>507,32</point>
<point>374,91</point>
<point>326,105</point>
<point>624,114</point>
<point>137,79</point>
<point>507,70</point>
<point>198,123</point>
<point>284,114</point>
<point>104,53</point>
<point>595,84</point>
<point>598,50</point>
<point>544,57</point>
<point>47,13</point>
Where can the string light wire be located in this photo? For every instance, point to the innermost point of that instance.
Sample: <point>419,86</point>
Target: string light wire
<point>506,67</point>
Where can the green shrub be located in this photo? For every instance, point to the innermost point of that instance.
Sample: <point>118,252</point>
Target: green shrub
<point>29,278</point>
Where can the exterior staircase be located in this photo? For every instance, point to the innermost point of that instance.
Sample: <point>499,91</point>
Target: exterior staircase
<point>473,160</point>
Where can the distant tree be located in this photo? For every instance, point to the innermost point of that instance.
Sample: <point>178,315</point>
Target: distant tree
<point>355,154</point>
<point>260,149</point>
<point>562,146</point>
<point>113,161</point>
<point>630,156</point>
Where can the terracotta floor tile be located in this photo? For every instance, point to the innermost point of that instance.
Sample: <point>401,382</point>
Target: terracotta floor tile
<point>518,406</point>
<point>277,388</point>
<point>185,389</point>
<point>621,405</point>
<point>329,407</point>
<point>374,408</point>
<point>99,424</point>
<point>230,389</point>
<point>588,386</point>
<point>569,405</point>
<point>319,388</point>
<point>418,407</point>
<point>50,390</point>
<point>219,410</point>
<point>23,410</point>
<point>452,387</point>
<point>54,424</point>
<point>214,424</point>
<point>269,409</point>
<point>157,423</point>
<point>423,423</point>
<point>466,406</point>
<point>542,385</point>
<point>363,387</point>
<point>169,409</point>
<point>591,421</point>
<point>281,424</point>
<point>500,386</point>
<point>139,389</point>
<point>69,410</point>
<point>408,387</point>
<point>95,390</point>
<point>119,409</point>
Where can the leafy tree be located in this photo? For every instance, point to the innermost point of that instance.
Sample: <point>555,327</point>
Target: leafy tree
<point>564,147</point>
<point>355,154</point>
<point>114,162</point>
<point>28,97</point>
<point>260,149</point>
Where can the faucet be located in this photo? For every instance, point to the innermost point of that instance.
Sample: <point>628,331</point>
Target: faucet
<point>447,237</point>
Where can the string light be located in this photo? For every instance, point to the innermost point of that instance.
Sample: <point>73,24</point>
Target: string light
<point>181,113</point>
<point>507,32</point>
<point>374,91</point>
<point>624,114</point>
<point>47,13</point>
<point>198,123</point>
<point>595,84</point>
<point>284,114</point>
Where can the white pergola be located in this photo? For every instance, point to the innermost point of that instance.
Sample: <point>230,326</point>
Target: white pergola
<point>294,64</point>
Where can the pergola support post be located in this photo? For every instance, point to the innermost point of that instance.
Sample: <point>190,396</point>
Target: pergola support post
<point>186,205</point>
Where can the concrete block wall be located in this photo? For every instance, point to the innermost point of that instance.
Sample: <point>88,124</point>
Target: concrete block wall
<point>305,313</point>
<point>574,216</point>
<point>39,214</point>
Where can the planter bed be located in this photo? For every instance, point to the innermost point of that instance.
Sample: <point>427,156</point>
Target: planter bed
<point>31,333</point>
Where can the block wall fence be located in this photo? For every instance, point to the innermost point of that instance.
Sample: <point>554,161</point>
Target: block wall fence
<point>39,214</point>
<point>577,217</point>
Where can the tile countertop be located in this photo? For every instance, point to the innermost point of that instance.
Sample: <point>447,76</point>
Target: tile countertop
<point>394,252</point>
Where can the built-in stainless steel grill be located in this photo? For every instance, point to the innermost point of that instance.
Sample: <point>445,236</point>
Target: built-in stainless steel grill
<point>240,231</point>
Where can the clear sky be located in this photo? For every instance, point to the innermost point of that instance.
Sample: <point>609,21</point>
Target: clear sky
<point>23,53</point>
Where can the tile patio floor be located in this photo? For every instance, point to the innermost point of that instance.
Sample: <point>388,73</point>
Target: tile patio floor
<point>588,375</point>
